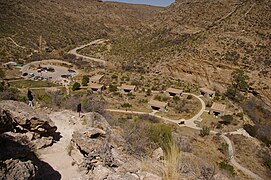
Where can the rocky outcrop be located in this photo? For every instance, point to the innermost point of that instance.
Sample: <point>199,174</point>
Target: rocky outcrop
<point>94,150</point>
<point>18,117</point>
<point>19,170</point>
<point>22,131</point>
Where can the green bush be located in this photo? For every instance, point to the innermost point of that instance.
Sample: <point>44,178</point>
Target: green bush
<point>227,119</point>
<point>268,163</point>
<point>76,86</point>
<point>224,165</point>
<point>240,115</point>
<point>176,98</point>
<point>161,134</point>
<point>114,76</point>
<point>126,105</point>
<point>2,73</point>
<point>205,131</point>
<point>189,97</point>
<point>113,88</point>
<point>157,97</point>
<point>85,80</point>
<point>148,92</point>
<point>251,130</point>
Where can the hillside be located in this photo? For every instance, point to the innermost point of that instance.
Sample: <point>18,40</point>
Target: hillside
<point>65,22</point>
<point>203,41</point>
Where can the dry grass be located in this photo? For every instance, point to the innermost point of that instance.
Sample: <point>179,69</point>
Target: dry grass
<point>169,168</point>
<point>171,165</point>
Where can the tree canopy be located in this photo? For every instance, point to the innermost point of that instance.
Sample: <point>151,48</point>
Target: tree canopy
<point>85,80</point>
<point>239,85</point>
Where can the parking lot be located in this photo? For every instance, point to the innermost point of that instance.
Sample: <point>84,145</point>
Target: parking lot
<point>43,70</point>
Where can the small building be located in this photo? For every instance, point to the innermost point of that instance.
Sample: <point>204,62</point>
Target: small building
<point>171,92</point>
<point>96,87</point>
<point>96,79</point>
<point>217,109</point>
<point>128,88</point>
<point>207,92</point>
<point>158,105</point>
<point>10,64</point>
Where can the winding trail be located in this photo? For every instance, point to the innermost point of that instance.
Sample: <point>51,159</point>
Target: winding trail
<point>57,155</point>
<point>74,51</point>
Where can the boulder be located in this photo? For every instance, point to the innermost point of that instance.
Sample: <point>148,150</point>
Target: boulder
<point>19,170</point>
<point>158,154</point>
<point>100,172</point>
<point>96,120</point>
<point>89,139</point>
<point>17,116</point>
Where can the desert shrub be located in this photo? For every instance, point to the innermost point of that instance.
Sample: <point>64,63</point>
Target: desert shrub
<point>225,166</point>
<point>85,80</point>
<point>252,130</point>
<point>176,98</point>
<point>205,131</point>
<point>71,102</point>
<point>148,92</point>
<point>268,163</point>
<point>240,115</point>
<point>260,115</point>
<point>126,105</point>
<point>76,86</point>
<point>91,103</point>
<point>114,76</point>
<point>227,119</point>
<point>113,88</point>
<point>149,118</point>
<point>189,97</point>
<point>2,73</point>
<point>157,97</point>
<point>161,134</point>
<point>69,57</point>
<point>224,148</point>
<point>1,87</point>
<point>9,94</point>
<point>136,83</point>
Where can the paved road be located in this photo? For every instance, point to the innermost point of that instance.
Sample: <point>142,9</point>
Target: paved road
<point>191,122</point>
<point>234,162</point>
<point>74,51</point>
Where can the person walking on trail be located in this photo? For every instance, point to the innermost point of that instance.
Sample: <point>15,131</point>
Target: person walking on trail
<point>30,98</point>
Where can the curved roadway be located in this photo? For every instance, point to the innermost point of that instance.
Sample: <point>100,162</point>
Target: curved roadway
<point>74,51</point>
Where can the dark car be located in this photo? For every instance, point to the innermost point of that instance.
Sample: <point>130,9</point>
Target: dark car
<point>25,74</point>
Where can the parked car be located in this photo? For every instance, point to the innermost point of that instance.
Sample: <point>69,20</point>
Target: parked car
<point>181,123</point>
<point>25,74</point>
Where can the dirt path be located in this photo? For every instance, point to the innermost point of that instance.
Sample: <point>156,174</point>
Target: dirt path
<point>57,155</point>
<point>74,51</point>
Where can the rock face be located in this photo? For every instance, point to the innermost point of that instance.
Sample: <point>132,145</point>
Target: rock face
<point>21,131</point>
<point>19,170</point>
<point>20,117</point>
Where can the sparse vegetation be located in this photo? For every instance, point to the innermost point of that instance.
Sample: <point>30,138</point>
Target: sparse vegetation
<point>76,86</point>
<point>225,166</point>
<point>205,131</point>
<point>85,80</point>
<point>239,85</point>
